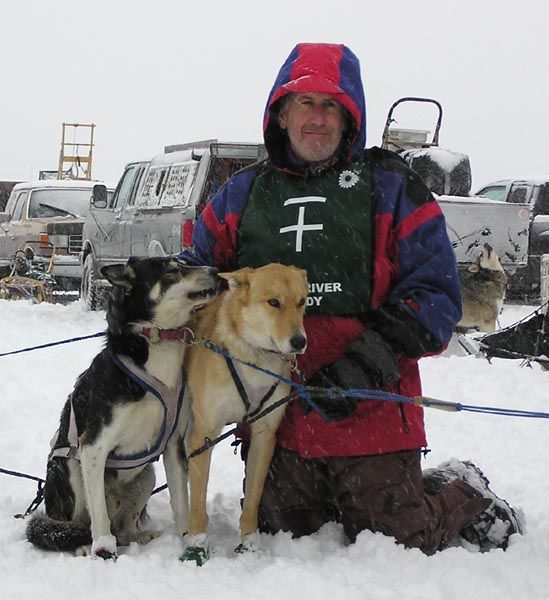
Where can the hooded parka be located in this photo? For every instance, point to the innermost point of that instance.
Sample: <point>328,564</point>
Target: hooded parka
<point>396,245</point>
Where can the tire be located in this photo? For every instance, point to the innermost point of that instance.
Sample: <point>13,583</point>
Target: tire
<point>94,296</point>
<point>156,249</point>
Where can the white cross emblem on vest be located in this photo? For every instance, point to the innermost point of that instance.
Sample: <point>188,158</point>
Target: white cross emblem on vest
<point>300,227</point>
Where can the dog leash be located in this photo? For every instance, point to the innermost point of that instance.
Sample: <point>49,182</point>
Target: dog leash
<point>304,391</point>
<point>338,393</point>
<point>39,498</point>
<point>75,339</point>
<point>335,393</point>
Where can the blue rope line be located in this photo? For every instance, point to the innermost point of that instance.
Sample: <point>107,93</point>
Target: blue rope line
<point>76,339</point>
<point>333,393</point>
<point>433,403</point>
<point>375,394</point>
<point>505,412</point>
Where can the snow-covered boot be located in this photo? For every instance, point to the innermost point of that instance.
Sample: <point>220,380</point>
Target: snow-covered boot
<point>493,527</point>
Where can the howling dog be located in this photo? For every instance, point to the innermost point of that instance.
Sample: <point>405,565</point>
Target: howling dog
<point>125,411</point>
<point>259,319</point>
<point>483,291</point>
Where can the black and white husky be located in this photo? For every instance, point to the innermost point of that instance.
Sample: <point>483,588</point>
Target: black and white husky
<point>123,412</point>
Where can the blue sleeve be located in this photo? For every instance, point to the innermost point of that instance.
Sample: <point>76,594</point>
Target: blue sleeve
<point>214,240</point>
<point>426,283</point>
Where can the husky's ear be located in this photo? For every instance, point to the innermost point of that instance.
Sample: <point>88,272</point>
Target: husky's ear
<point>120,275</point>
<point>237,279</point>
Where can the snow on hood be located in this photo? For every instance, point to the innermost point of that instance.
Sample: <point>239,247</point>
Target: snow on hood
<point>447,160</point>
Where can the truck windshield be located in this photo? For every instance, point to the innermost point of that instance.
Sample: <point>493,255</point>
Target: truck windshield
<point>60,202</point>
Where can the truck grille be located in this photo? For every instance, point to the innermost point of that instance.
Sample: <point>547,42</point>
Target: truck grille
<point>75,243</point>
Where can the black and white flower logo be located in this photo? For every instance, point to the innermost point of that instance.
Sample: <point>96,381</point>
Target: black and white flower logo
<point>347,179</point>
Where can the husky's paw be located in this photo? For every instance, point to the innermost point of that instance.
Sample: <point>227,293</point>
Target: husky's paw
<point>104,547</point>
<point>196,549</point>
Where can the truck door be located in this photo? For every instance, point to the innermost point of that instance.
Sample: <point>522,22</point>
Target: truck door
<point>10,231</point>
<point>112,222</point>
<point>147,216</point>
<point>129,210</point>
<point>520,193</point>
<point>539,232</point>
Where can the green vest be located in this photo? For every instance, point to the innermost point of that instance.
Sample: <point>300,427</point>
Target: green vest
<point>320,223</point>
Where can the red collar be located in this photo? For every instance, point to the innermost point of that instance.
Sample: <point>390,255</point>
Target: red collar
<point>155,334</point>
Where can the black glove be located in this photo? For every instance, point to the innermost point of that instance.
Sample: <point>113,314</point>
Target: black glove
<point>369,362</point>
<point>403,332</point>
<point>335,407</point>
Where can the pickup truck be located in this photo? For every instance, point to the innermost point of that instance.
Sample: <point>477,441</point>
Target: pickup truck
<point>154,206</point>
<point>527,281</point>
<point>44,219</point>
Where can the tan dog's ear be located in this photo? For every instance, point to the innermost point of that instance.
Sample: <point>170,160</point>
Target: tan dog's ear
<point>237,279</point>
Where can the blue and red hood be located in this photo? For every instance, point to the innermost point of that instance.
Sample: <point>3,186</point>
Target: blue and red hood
<point>318,68</point>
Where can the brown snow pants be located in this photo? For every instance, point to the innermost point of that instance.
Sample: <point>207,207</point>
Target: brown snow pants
<point>381,493</point>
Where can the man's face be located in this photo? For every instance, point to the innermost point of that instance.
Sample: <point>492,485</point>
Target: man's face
<point>315,125</point>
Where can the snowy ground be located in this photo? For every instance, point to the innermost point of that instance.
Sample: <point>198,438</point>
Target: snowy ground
<point>510,450</point>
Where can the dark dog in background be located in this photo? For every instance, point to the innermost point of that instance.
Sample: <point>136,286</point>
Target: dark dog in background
<point>124,413</point>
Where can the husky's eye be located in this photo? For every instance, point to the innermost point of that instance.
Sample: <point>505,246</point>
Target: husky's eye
<point>274,302</point>
<point>301,302</point>
<point>172,271</point>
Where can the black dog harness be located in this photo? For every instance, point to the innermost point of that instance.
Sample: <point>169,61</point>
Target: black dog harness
<point>171,400</point>
<point>253,398</point>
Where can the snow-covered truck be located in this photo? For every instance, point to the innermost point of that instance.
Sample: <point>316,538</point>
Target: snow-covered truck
<point>471,221</point>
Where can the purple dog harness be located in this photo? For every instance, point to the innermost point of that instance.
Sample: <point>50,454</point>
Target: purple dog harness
<point>171,400</point>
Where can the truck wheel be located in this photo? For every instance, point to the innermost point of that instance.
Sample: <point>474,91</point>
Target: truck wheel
<point>94,296</point>
<point>156,249</point>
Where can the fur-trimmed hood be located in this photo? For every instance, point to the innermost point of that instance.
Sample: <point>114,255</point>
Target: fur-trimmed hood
<point>318,68</point>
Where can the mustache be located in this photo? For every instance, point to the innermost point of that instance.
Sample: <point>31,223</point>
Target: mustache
<point>314,129</point>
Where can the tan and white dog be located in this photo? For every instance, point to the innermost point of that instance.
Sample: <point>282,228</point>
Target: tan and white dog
<point>483,291</point>
<point>259,319</point>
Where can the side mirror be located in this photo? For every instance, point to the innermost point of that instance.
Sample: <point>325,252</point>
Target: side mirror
<point>99,196</point>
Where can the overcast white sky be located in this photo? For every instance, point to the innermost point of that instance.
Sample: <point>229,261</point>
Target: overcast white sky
<point>154,73</point>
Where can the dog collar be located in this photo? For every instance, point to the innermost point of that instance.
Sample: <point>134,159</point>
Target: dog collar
<point>155,334</point>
